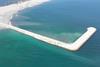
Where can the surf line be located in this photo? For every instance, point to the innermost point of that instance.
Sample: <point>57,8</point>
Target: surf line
<point>73,46</point>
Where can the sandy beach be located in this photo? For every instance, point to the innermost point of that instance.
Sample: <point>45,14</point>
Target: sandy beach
<point>7,13</point>
<point>10,10</point>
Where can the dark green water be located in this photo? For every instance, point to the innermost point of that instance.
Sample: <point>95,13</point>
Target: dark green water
<point>64,20</point>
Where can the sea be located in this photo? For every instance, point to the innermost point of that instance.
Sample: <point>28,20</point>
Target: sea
<point>64,20</point>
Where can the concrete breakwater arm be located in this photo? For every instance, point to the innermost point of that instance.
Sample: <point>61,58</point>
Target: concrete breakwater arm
<point>84,38</point>
<point>73,47</point>
<point>7,12</point>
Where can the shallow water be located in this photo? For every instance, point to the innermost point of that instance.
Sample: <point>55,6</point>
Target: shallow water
<point>64,20</point>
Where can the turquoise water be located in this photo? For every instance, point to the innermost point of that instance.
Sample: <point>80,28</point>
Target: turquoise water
<point>7,2</point>
<point>64,20</point>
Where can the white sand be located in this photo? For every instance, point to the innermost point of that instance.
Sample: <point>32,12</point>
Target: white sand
<point>13,8</point>
<point>8,11</point>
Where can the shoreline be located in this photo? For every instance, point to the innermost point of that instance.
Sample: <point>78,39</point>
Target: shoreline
<point>7,14</point>
<point>14,8</point>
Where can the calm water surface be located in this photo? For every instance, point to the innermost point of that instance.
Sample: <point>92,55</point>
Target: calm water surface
<point>65,20</point>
